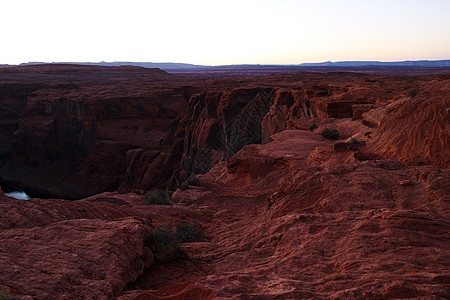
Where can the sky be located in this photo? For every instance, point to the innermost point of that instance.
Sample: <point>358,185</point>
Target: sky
<point>211,32</point>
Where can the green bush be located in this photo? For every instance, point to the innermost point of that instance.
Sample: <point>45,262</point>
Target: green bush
<point>331,134</point>
<point>4,297</point>
<point>185,200</point>
<point>313,126</point>
<point>412,92</point>
<point>159,197</point>
<point>191,180</point>
<point>165,245</point>
<point>184,186</point>
<point>188,233</point>
<point>165,242</point>
<point>353,141</point>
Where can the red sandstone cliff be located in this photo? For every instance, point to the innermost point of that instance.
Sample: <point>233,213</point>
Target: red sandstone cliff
<point>91,129</point>
<point>219,122</point>
<point>416,130</point>
<point>71,140</point>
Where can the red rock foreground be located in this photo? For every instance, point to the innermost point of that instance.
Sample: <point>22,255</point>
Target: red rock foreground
<point>366,216</point>
<point>57,249</point>
<point>330,229</point>
<point>87,249</point>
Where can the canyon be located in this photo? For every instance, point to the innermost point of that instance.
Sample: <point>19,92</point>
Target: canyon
<point>286,212</point>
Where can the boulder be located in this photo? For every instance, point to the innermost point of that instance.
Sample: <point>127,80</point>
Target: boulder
<point>416,130</point>
<point>72,250</point>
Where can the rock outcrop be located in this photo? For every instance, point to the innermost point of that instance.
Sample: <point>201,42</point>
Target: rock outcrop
<point>72,140</point>
<point>13,99</point>
<point>219,122</point>
<point>54,249</point>
<point>415,130</point>
<point>290,105</point>
<point>333,229</point>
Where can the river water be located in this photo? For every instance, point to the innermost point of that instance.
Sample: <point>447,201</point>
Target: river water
<point>18,195</point>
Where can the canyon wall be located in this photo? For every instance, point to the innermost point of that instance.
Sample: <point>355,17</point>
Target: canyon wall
<point>13,99</point>
<point>71,140</point>
<point>220,121</point>
<point>91,130</point>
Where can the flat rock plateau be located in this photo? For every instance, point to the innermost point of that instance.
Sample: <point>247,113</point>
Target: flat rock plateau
<point>286,212</point>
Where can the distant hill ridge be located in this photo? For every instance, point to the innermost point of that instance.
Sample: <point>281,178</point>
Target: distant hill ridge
<point>406,63</point>
<point>192,67</point>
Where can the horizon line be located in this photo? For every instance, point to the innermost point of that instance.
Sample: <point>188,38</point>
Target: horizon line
<point>233,64</point>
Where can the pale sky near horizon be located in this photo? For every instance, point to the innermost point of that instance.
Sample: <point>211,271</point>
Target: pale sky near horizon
<point>223,32</point>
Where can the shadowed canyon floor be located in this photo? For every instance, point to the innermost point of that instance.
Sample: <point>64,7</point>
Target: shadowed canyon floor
<point>286,212</point>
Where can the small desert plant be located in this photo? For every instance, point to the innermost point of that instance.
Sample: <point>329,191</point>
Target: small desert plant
<point>412,92</point>
<point>331,134</point>
<point>191,180</point>
<point>165,245</point>
<point>353,141</point>
<point>159,197</point>
<point>185,200</point>
<point>313,126</point>
<point>189,232</point>
<point>5,297</point>
<point>184,186</point>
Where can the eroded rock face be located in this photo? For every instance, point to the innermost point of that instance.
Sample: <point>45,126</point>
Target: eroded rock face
<point>91,129</point>
<point>13,99</point>
<point>53,249</point>
<point>88,259</point>
<point>416,130</point>
<point>333,229</point>
<point>72,140</point>
<point>219,124</point>
<point>290,105</point>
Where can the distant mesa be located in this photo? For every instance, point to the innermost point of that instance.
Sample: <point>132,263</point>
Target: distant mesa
<point>172,67</point>
<point>406,63</point>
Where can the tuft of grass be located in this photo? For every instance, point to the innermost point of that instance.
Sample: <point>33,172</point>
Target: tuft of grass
<point>165,245</point>
<point>165,242</point>
<point>5,297</point>
<point>186,201</point>
<point>189,232</point>
<point>412,92</point>
<point>353,141</point>
<point>331,134</point>
<point>159,197</point>
<point>191,180</point>
<point>313,126</point>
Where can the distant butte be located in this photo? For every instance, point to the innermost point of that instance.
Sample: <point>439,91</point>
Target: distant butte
<point>306,185</point>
